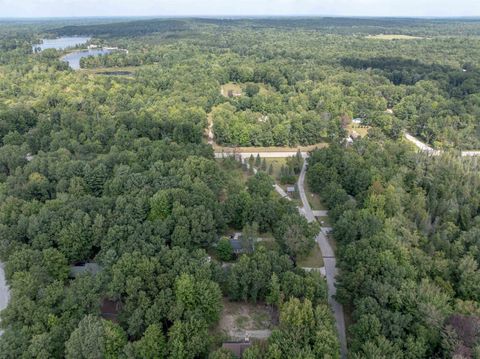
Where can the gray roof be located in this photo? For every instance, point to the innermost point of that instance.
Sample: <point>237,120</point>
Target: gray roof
<point>236,244</point>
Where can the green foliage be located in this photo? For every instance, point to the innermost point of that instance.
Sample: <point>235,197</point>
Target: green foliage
<point>188,339</point>
<point>115,170</point>
<point>260,185</point>
<point>197,298</point>
<point>393,216</point>
<point>224,250</point>
<point>151,346</point>
<point>95,338</point>
<point>295,235</point>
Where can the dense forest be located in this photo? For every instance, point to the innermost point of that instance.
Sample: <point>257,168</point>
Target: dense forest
<point>407,226</point>
<point>110,166</point>
<point>299,78</point>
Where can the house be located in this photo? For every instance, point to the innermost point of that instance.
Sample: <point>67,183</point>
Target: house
<point>291,189</point>
<point>237,348</point>
<point>239,245</point>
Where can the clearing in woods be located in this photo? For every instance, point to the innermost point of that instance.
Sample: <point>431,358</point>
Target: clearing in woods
<point>313,260</point>
<point>235,88</point>
<point>238,320</point>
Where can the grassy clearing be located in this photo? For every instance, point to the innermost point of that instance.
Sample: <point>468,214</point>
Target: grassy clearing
<point>277,164</point>
<point>360,129</point>
<point>324,221</point>
<point>314,199</point>
<point>234,87</point>
<point>313,260</point>
<point>394,37</point>
<point>236,177</point>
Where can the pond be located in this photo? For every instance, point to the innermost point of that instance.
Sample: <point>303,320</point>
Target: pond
<point>61,43</point>
<point>74,58</point>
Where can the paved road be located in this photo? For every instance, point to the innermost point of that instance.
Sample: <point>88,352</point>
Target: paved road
<point>330,265</point>
<point>426,148</point>
<point>320,213</point>
<point>4,291</point>
<point>327,251</point>
<point>262,154</point>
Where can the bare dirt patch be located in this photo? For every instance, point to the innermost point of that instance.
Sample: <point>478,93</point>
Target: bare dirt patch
<point>240,320</point>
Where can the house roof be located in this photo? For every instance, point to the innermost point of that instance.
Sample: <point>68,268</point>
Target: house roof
<point>236,244</point>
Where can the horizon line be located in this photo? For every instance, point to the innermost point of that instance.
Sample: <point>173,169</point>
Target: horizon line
<point>244,16</point>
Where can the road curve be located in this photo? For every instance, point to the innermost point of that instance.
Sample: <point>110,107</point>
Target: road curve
<point>4,291</point>
<point>426,148</point>
<point>329,262</point>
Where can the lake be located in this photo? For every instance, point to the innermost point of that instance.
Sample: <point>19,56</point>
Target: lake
<point>74,58</point>
<point>61,43</point>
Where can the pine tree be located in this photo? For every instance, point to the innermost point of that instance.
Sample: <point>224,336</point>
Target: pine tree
<point>258,161</point>
<point>264,165</point>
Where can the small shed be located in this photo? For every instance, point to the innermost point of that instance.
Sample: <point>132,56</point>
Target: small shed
<point>357,121</point>
<point>237,348</point>
<point>291,189</point>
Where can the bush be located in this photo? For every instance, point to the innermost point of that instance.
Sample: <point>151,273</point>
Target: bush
<point>224,250</point>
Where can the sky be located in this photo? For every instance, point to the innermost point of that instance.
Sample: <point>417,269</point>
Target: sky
<point>79,8</point>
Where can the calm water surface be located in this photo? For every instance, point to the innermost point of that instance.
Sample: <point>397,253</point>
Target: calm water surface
<point>74,58</point>
<point>61,43</point>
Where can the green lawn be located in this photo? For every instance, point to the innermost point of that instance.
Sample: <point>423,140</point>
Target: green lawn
<point>313,260</point>
<point>314,199</point>
<point>324,221</point>
<point>277,164</point>
<point>360,129</point>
